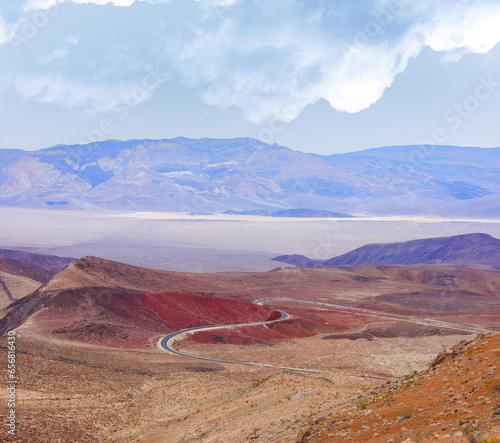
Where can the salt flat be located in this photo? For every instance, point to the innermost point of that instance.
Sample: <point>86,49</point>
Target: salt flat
<point>208,243</point>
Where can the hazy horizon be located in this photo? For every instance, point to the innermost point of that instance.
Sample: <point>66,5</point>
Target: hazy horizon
<point>361,149</point>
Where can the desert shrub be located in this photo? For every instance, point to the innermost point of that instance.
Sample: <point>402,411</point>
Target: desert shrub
<point>406,413</point>
<point>362,402</point>
<point>493,384</point>
<point>475,432</point>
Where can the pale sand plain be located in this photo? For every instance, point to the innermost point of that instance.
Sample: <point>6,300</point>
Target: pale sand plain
<point>212,243</point>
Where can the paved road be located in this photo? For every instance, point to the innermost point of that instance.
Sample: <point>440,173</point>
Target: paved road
<point>166,343</point>
<point>384,314</point>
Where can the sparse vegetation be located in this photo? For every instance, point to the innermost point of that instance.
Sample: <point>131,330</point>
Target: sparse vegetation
<point>362,402</point>
<point>493,384</point>
<point>406,413</point>
<point>476,432</point>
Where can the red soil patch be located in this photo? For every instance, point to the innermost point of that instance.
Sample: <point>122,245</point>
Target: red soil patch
<point>187,310</point>
<point>127,320</point>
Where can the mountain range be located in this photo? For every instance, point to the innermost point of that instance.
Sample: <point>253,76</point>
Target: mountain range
<point>477,250</point>
<point>244,174</point>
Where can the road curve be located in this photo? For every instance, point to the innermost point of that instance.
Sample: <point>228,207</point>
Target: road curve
<point>166,343</point>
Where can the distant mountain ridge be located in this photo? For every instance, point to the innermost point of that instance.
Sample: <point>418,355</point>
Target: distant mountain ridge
<point>50,262</point>
<point>244,174</point>
<point>478,250</point>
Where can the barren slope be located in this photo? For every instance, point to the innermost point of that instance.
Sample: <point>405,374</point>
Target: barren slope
<point>125,319</point>
<point>456,400</point>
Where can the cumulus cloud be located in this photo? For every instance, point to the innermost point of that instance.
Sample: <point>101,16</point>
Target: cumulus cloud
<point>471,27</point>
<point>274,68</point>
<point>271,59</point>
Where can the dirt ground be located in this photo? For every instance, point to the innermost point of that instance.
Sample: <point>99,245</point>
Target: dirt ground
<point>456,400</point>
<point>71,392</point>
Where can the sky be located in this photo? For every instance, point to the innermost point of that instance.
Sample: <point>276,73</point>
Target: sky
<point>324,76</point>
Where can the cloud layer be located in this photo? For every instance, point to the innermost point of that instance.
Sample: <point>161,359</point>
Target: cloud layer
<point>269,59</point>
<point>274,68</point>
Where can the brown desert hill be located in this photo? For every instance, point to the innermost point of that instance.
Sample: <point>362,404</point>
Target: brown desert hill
<point>45,261</point>
<point>457,400</point>
<point>99,291</point>
<point>19,278</point>
<point>102,302</point>
<point>477,250</point>
<point>124,319</point>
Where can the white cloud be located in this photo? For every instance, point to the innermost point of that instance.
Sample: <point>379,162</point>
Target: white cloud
<point>54,55</point>
<point>50,89</point>
<point>274,68</point>
<point>473,28</point>
<point>46,4</point>
<point>41,4</point>
<point>218,2</point>
<point>109,97</point>
<point>272,59</point>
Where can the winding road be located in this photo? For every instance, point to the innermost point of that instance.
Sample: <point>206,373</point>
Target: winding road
<point>166,343</point>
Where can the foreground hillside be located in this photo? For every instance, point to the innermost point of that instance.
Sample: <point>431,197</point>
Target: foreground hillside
<point>457,400</point>
<point>479,250</point>
<point>216,175</point>
<point>86,393</point>
<point>91,371</point>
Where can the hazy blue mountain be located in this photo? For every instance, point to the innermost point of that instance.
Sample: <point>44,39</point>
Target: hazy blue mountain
<point>479,250</point>
<point>216,175</point>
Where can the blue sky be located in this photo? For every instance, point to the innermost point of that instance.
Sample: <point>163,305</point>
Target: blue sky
<point>317,76</point>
